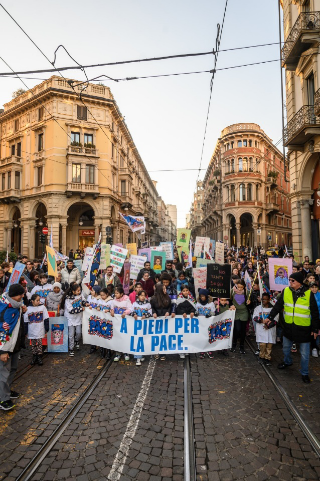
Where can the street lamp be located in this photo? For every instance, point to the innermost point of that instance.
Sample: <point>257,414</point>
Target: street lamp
<point>40,223</point>
<point>80,221</point>
<point>15,224</point>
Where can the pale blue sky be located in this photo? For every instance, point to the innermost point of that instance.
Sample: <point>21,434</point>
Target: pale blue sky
<point>166,116</point>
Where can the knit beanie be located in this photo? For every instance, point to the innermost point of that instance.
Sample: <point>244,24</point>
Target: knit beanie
<point>16,290</point>
<point>56,284</point>
<point>204,292</point>
<point>97,289</point>
<point>297,276</point>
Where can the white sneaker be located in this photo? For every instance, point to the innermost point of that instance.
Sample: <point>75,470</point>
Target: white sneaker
<point>138,362</point>
<point>182,356</point>
<point>314,353</point>
<point>142,359</point>
<point>127,357</point>
<point>116,358</point>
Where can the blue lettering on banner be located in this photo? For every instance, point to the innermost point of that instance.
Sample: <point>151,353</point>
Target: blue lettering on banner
<point>137,326</point>
<point>155,341</point>
<point>178,324</point>
<point>124,328</point>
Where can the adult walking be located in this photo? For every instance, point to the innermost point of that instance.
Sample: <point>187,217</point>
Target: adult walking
<point>70,274</point>
<point>301,321</point>
<point>108,277</point>
<point>11,341</point>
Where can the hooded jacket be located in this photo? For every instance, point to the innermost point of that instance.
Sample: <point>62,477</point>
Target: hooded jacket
<point>70,276</point>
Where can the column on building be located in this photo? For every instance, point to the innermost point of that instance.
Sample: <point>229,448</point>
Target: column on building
<point>255,234</point>
<point>306,229</point>
<point>238,239</point>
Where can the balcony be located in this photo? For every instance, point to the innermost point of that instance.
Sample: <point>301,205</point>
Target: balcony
<point>303,35</point>
<point>303,125</point>
<point>317,103</point>
<point>10,196</point>
<point>13,159</point>
<point>272,206</point>
<point>79,150</point>
<point>82,189</point>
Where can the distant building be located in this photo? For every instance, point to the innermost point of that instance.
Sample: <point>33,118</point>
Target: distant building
<point>172,212</point>
<point>196,212</point>
<point>246,199</point>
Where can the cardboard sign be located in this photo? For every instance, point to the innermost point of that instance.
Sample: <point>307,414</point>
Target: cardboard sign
<point>117,257</point>
<point>105,256</point>
<point>201,246</point>
<point>137,263</point>
<point>132,249</point>
<point>58,334</point>
<point>126,277</point>
<point>87,258</point>
<point>219,280</point>
<point>145,252</point>
<point>200,278</point>
<point>167,247</point>
<point>219,254</point>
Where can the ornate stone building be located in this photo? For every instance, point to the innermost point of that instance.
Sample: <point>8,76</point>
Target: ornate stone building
<point>246,199</point>
<point>196,212</point>
<point>300,57</point>
<point>70,166</point>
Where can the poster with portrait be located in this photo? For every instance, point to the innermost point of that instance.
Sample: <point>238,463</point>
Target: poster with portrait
<point>158,261</point>
<point>132,249</point>
<point>279,273</point>
<point>200,279</point>
<point>145,252</point>
<point>58,334</point>
<point>167,247</point>
<point>183,239</point>
<point>126,277</point>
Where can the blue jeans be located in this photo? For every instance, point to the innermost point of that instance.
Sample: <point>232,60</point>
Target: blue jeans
<point>304,352</point>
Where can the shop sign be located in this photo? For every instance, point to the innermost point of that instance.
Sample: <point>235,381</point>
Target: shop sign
<point>87,233</point>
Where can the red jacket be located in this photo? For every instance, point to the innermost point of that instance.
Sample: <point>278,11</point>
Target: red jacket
<point>148,286</point>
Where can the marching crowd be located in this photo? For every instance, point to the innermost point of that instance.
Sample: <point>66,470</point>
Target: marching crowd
<point>290,317</point>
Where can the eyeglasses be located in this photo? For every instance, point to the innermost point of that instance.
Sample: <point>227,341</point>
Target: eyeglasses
<point>292,280</point>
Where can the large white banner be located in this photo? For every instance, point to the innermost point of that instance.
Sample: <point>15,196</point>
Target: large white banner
<point>163,335</point>
<point>201,246</point>
<point>137,263</point>
<point>219,254</point>
<point>117,257</point>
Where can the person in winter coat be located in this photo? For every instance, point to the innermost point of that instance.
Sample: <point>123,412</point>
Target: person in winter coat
<point>301,321</point>
<point>108,277</point>
<point>161,305</point>
<point>314,287</point>
<point>70,274</point>
<point>11,341</point>
<point>141,308</point>
<point>166,280</point>
<point>183,281</point>
<point>147,267</point>
<point>37,320</point>
<point>205,308</point>
<point>120,305</point>
<point>264,337</point>
<point>147,284</point>
<point>186,306</point>
<point>54,298</point>
<point>134,294</point>
<point>43,290</point>
<point>3,281</point>
<point>238,298</point>
<point>170,270</point>
<point>73,304</point>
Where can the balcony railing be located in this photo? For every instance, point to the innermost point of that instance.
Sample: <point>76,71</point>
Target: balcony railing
<point>11,159</point>
<point>272,206</point>
<point>82,189</point>
<point>303,35</point>
<point>296,131</point>
<point>317,102</point>
<point>10,196</point>
<point>75,150</point>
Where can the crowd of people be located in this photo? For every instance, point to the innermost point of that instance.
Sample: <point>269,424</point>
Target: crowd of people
<point>290,317</point>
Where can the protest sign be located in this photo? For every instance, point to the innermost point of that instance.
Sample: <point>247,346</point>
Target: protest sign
<point>105,256</point>
<point>137,263</point>
<point>279,273</point>
<point>126,277</point>
<point>203,262</point>
<point>201,245</point>
<point>117,257</point>
<point>219,280</point>
<point>78,265</point>
<point>162,335</point>
<point>167,247</point>
<point>183,239</point>
<point>58,334</point>
<point>87,258</point>
<point>156,248</point>
<point>200,279</point>
<point>146,252</point>
<point>212,247</point>
<point>219,252</point>
<point>158,261</point>
<point>15,274</point>
<point>52,263</point>
<point>132,249</point>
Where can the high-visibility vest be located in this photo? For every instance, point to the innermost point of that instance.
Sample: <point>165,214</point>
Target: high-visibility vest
<point>298,313</point>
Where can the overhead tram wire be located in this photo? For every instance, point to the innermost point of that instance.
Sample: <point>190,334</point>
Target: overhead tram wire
<point>216,55</point>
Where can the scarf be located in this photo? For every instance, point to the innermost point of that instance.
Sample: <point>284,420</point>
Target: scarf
<point>239,296</point>
<point>203,303</point>
<point>180,284</point>
<point>190,298</point>
<point>109,280</point>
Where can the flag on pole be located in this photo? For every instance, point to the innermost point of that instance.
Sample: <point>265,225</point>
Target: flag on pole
<point>134,223</point>
<point>190,255</point>
<point>7,258</point>
<point>51,239</point>
<point>95,265</point>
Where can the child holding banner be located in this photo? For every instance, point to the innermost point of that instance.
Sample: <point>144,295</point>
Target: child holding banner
<point>120,305</point>
<point>186,306</point>
<point>73,305</point>
<point>141,308</point>
<point>207,309</point>
<point>238,297</point>
<point>36,317</point>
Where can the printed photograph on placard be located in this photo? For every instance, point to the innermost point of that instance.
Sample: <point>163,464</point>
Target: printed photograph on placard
<point>279,273</point>
<point>183,239</point>
<point>158,261</point>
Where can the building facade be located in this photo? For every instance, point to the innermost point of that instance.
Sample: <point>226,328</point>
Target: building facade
<point>300,58</point>
<point>72,166</point>
<point>196,212</point>
<point>246,198</point>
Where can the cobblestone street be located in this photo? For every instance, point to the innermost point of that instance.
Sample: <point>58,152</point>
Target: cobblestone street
<point>243,429</point>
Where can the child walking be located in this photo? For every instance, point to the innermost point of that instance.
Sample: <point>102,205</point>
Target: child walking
<point>141,308</point>
<point>54,299</point>
<point>44,288</point>
<point>207,309</point>
<point>186,306</point>
<point>120,305</point>
<point>73,305</point>
<point>264,336</point>
<point>37,321</point>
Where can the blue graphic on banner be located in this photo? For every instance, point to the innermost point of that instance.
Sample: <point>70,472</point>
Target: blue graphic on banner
<point>58,334</point>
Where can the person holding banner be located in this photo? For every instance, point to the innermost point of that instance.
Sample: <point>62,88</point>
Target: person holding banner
<point>73,305</point>
<point>186,306</point>
<point>11,341</point>
<point>120,305</point>
<point>238,297</point>
<point>141,308</point>
<point>207,309</point>
<point>108,277</point>
<point>161,305</point>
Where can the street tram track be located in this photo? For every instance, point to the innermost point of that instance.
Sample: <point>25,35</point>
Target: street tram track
<point>189,437</point>
<point>305,428</point>
<point>26,369</point>
<point>36,461</point>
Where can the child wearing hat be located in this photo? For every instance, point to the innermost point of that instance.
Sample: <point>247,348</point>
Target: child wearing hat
<point>205,308</point>
<point>54,297</point>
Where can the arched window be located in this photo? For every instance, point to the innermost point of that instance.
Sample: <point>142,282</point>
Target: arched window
<point>240,164</point>
<point>232,144</point>
<point>250,143</point>
<point>232,165</point>
<point>245,164</point>
<point>233,194</point>
<point>250,164</point>
<point>239,143</point>
<point>228,166</point>
<point>242,192</point>
<point>249,192</point>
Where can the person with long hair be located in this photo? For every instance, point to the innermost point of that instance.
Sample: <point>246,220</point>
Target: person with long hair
<point>238,298</point>
<point>161,305</point>
<point>120,305</point>
<point>73,305</point>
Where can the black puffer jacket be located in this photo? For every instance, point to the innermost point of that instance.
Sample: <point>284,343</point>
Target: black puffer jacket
<point>292,331</point>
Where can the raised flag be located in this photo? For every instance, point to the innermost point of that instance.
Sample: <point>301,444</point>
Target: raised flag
<point>52,263</point>
<point>135,223</point>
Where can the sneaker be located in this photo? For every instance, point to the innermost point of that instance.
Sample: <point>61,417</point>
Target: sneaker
<point>202,355</point>
<point>210,355</point>
<point>14,395</point>
<point>242,351</point>
<point>77,346</point>
<point>163,358</point>
<point>182,356</point>
<point>127,357</point>
<point>71,353</point>
<point>138,362</point>
<point>142,359</point>
<point>314,353</point>
<point>257,352</point>
<point>278,340</point>
<point>6,405</point>
<point>233,349</point>
<point>117,358</point>
<point>267,362</point>
<point>92,349</point>
<point>294,348</point>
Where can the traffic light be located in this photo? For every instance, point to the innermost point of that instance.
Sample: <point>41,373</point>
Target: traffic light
<point>109,240</point>
<point>42,238</point>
